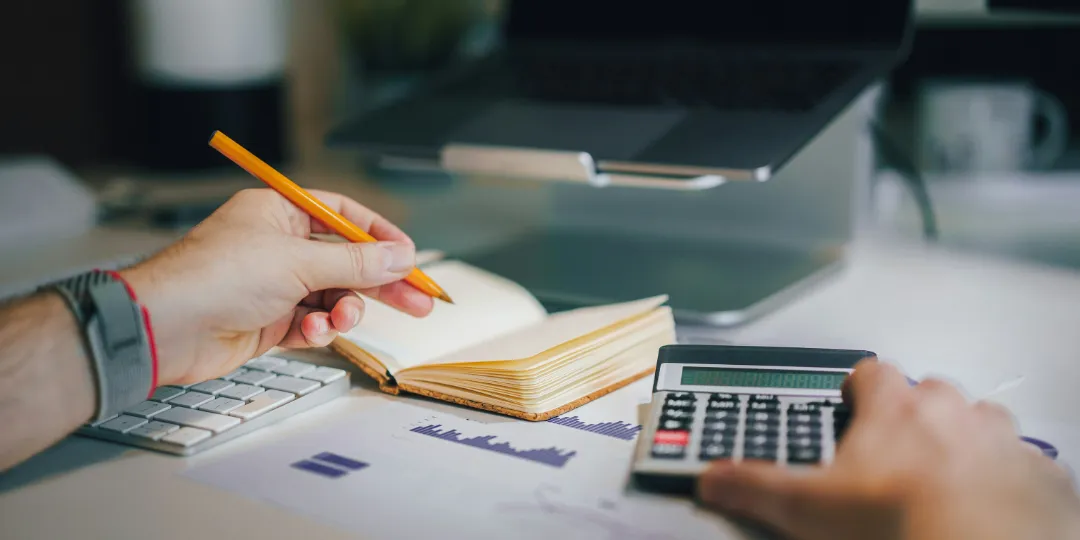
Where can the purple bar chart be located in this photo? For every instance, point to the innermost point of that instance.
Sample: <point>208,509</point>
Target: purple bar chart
<point>618,430</point>
<point>552,456</point>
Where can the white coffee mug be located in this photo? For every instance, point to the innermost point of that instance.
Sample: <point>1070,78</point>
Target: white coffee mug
<point>988,126</point>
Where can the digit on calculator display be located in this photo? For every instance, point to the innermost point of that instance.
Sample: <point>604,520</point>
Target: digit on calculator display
<point>762,378</point>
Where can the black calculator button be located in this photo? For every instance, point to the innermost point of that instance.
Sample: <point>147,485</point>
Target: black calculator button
<point>716,451</point>
<point>723,397</point>
<point>803,441</point>
<point>676,414</point>
<point>764,398</point>
<point>718,437</point>
<point>762,428</point>
<point>675,424</point>
<point>804,418</point>
<point>810,407</point>
<point>764,406</point>
<point>722,406</point>
<point>682,396</point>
<point>726,426</point>
<point>803,455</point>
<point>760,452</point>
<point>679,403</point>
<point>803,430</point>
<point>668,451</point>
<point>764,416</point>
<point>730,415</point>
<point>770,441</point>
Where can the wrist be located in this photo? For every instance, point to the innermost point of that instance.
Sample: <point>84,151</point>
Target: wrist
<point>142,285</point>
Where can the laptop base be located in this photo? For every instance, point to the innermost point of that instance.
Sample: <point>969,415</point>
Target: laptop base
<point>711,282</point>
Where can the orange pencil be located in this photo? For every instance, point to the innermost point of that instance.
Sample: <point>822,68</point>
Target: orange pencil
<point>314,207</point>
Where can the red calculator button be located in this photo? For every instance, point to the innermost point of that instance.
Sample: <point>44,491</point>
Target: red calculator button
<point>681,438</point>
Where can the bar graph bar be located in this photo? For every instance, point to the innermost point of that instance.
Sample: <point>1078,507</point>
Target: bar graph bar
<point>618,430</point>
<point>552,456</point>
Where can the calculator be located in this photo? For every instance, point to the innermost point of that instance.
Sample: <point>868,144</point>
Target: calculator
<point>712,402</point>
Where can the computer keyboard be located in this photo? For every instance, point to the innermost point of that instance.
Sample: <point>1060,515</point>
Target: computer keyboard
<point>185,420</point>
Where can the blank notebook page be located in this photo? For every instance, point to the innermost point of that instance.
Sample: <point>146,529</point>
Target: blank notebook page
<point>556,330</point>
<point>485,306</point>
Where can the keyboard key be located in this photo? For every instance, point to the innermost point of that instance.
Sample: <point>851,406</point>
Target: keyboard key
<point>191,399</point>
<point>325,375</point>
<point>238,371</point>
<point>212,386</point>
<point>270,399</point>
<point>294,369</point>
<point>186,436</point>
<point>221,405</point>
<point>266,363</point>
<point>123,423</point>
<point>198,419</point>
<point>103,420</point>
<point>165,393</point>
<point>241,391</point>
<point>254,377</point>
<point>147,409</point>
<point>291,384</point>
<point>154,430</point>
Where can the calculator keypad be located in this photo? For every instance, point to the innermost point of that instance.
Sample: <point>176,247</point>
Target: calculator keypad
<point>708,427</point>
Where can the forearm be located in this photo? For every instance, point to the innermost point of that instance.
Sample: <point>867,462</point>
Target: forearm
<point>47,387</point>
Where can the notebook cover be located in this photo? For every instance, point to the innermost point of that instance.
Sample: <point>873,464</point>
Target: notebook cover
<point>356,356</point>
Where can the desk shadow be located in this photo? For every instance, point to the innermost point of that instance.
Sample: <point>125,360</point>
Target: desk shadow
<point>66,456</point>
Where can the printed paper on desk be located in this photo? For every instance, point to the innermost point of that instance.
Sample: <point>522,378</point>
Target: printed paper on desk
<point>407,471</point>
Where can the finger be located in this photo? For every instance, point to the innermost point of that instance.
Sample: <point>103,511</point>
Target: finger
<point>942,390</point>
<point>326,265</point>
<point>309,328</point>
<point>346,309</point>
<point>365,218</point>
<point>872,385</point>
<point>764,492</point>
<point>404,297</point>
<point>996,414</point>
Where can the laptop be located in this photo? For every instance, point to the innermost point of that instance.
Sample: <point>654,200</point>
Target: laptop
<point>679,89</point>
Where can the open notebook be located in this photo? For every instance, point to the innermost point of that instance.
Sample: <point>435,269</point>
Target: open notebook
<point>498,349</point>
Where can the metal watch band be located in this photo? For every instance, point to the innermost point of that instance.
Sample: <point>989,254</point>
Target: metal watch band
<point>116,335</point>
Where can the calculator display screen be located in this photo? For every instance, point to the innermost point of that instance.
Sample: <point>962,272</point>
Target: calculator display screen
<point>762,378</point>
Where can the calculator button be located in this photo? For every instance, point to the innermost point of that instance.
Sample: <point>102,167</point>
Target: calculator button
<point>803,430</point>
<point>674,424</point>
<point>803,441</point>
<point>761,440</point>
<point>679,404</point>
<point>841,416</point>
<point>682,396</point>
<point>804,418</point>
<point>764,406</point>
<point>732,415</point>
<point>765,428</point>
<point>669,451</point>
<point>716,451</point>
<point>722,406</point>
<point>721,426</point>
<point>676,414</point>
<point>760,452</point>
<point>723,397</point>
<point>803,455</point>
<point>764,398</point>
<point>718,437</point>
<point>763,416</point>
<point>679,437</point>
<point>810,407</point>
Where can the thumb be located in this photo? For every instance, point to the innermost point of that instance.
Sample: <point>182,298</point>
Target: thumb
<point>774,495</point>
<point>355,266</point>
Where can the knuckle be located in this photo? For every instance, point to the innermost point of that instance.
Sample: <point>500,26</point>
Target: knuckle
<point>994,412</point>
<point>366,260</point>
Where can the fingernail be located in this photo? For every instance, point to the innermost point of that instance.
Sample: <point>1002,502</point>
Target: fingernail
<point>321,326</point>
<point>400,257</point>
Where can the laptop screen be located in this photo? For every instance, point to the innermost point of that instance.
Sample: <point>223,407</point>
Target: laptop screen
<point>824,22</point>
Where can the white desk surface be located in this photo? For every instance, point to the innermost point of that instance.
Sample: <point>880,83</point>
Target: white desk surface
<point>976,320</point>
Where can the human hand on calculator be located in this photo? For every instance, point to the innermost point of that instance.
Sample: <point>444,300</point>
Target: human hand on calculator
<point>248,278</point>
<point>915,462</point>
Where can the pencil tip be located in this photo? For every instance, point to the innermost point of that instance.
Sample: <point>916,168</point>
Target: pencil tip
<point>446,298</point>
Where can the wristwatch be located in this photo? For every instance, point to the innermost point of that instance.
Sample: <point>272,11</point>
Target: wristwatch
<point>117,335</point>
